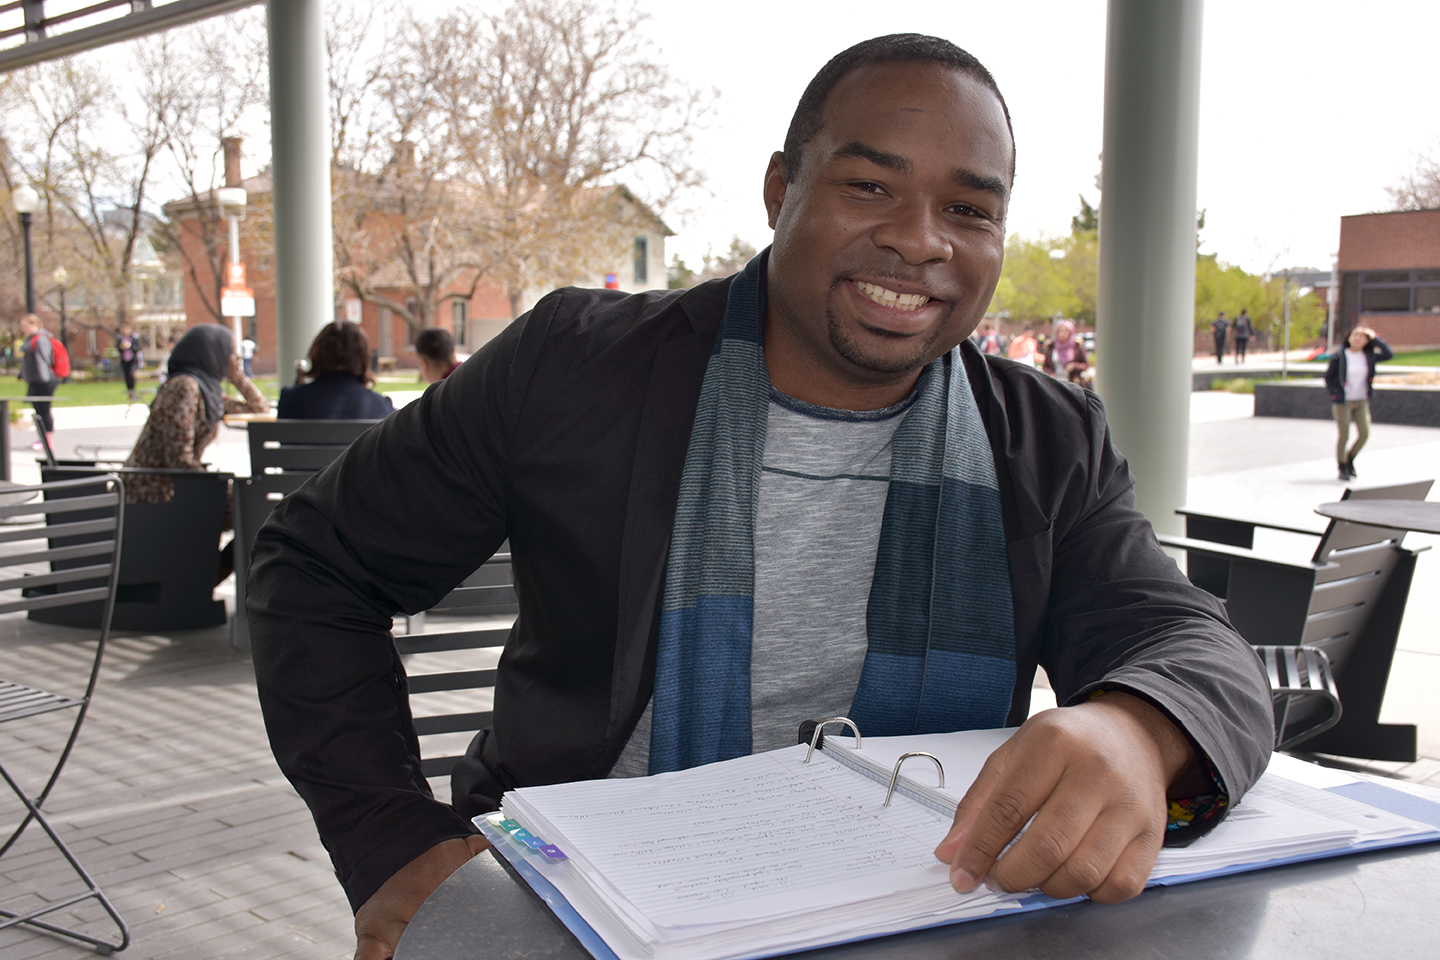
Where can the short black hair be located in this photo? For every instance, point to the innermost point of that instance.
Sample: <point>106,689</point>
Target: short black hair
<point>436,344</point>
<point>896,48</point>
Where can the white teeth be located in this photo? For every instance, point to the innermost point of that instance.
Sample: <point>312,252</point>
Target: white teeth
<point>901,301</point>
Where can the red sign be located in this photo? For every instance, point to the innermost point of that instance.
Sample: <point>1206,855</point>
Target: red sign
<point>235,276</point>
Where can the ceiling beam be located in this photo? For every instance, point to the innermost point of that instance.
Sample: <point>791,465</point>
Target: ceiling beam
<point>125,27</point>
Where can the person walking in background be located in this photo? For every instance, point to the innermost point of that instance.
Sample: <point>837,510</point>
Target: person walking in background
<point>435,349</point>
<point>127,345</point>
<point>1350,378</point>
<point>247,355</point>
<point>1065,360</point>
<point>37,369</point>
<point>337,386</point>
<point>1242,330</point>
<point>1221,329</point>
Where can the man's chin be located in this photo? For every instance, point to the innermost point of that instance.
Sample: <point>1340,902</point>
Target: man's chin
<point>886,357</point>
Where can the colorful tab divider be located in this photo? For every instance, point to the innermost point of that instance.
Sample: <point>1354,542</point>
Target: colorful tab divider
<point>524,836</point>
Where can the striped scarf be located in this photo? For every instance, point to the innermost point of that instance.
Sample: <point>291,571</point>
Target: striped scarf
<point>941,653</point>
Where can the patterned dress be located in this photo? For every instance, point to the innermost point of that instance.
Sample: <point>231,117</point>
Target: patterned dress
<point>176,435</point>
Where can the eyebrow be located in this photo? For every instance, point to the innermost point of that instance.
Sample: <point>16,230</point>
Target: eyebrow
<point>901,164</point>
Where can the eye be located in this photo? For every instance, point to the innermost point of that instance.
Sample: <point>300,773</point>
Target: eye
<point>867,186</point>
<point>965,210</point>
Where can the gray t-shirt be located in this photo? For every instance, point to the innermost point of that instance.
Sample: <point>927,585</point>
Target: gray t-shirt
<point>820,504</point>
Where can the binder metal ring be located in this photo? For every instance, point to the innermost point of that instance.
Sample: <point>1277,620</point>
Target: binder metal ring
<point>815,737</point>
<point>895,774</point>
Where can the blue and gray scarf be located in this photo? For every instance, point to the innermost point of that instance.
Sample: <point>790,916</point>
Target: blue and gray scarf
<point>941,634</point>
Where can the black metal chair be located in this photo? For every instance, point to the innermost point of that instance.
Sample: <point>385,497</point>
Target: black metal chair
<point>170,556</point>
<point>445,699</point>
<point>61,550</point>
<point>286,453</point>
<point>1346,603</point>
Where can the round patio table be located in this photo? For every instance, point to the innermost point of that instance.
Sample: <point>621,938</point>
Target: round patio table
<point>1421,516</point>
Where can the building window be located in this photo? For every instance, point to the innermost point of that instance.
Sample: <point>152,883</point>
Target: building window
<point>459,320</point>
<point>252,330</point>
<point>1400,291</point>
<point>642,259</point>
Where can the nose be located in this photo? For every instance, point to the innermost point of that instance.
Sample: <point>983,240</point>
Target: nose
<point>915,231</point>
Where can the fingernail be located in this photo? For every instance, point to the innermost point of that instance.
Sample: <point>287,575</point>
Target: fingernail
<point>961,880</point>
<point>992,886</point>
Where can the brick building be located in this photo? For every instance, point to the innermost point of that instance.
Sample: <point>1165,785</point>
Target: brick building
<point>472,318</point>
<point>1389,267</point>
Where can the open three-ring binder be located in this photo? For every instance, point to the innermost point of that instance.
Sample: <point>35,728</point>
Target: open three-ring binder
<point>805,847</point>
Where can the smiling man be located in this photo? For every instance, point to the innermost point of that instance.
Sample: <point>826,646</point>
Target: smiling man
<point>794,493</point>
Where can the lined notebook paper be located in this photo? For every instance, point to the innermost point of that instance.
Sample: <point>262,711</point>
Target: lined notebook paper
<point>766,854</point>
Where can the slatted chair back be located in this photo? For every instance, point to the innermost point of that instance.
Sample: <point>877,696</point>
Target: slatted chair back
<point>60,547</point>
<point>302,446</point>
<point>1345,604</point>
<point>451,679</point>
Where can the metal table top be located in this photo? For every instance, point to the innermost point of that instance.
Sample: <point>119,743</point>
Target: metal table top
<point>1376,903</point>
<point>1422,516</point>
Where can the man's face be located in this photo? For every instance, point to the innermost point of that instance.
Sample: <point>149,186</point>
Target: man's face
<point>29,327</point>
<point>890,239</point>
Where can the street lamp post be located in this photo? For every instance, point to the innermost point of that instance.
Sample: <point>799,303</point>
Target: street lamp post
<point>27,201</point>
<point>231,201</point>
<point>60,276</point>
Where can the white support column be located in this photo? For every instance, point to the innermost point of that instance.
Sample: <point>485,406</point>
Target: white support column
<point>300,135</point>
<point>1145,316</point>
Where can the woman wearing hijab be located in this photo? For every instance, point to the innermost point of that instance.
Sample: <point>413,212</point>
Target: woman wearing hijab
<point>1066,354</point>
<point>185,416</point>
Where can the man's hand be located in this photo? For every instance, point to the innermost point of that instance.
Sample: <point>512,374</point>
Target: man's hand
<point>1095,777</point>
<point>381,919</point>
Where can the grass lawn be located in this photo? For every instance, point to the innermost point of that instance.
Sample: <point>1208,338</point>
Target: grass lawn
<point>94,393</point>
<point>1420,358</point>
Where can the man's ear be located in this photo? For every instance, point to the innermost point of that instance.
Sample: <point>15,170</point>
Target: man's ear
<point>777,178</point>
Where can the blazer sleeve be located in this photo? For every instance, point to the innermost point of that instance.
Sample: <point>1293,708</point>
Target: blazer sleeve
<point>1121,615</point>
<point>401,518</point>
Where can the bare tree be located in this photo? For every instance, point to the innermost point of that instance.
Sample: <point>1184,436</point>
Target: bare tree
<point>405,235</point>
<point>224,63</point>
<point>564,100</point>
<point>1420,189</point>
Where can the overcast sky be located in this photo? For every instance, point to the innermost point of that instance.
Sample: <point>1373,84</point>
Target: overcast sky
<point>1308,110</point>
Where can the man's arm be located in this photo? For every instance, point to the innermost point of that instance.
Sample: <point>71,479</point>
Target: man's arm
<point>1158,691</point>
<point>412,508</point>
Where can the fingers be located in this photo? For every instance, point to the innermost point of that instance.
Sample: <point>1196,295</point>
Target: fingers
<point>1011,787</point>
<point>1093,777</point>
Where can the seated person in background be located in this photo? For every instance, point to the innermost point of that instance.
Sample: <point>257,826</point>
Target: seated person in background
<point>435,348</point>
<point>338,384</point>
<point>185,415</point>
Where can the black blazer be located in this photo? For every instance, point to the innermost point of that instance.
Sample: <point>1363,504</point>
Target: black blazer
<point>568,434</point>
<point>333,396</point>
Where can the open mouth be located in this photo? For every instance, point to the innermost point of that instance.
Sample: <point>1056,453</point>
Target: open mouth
<point>890,298</point>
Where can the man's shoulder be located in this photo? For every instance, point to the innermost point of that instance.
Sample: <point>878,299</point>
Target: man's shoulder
<point>1017,392</point>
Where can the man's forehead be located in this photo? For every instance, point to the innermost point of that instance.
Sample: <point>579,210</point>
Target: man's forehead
<point>887,96</point>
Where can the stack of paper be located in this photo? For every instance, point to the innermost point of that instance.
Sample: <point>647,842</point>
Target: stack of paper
<point>768,854</point>
<point>757,854</point>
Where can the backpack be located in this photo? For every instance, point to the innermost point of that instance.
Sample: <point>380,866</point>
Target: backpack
<point>59,356</point>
